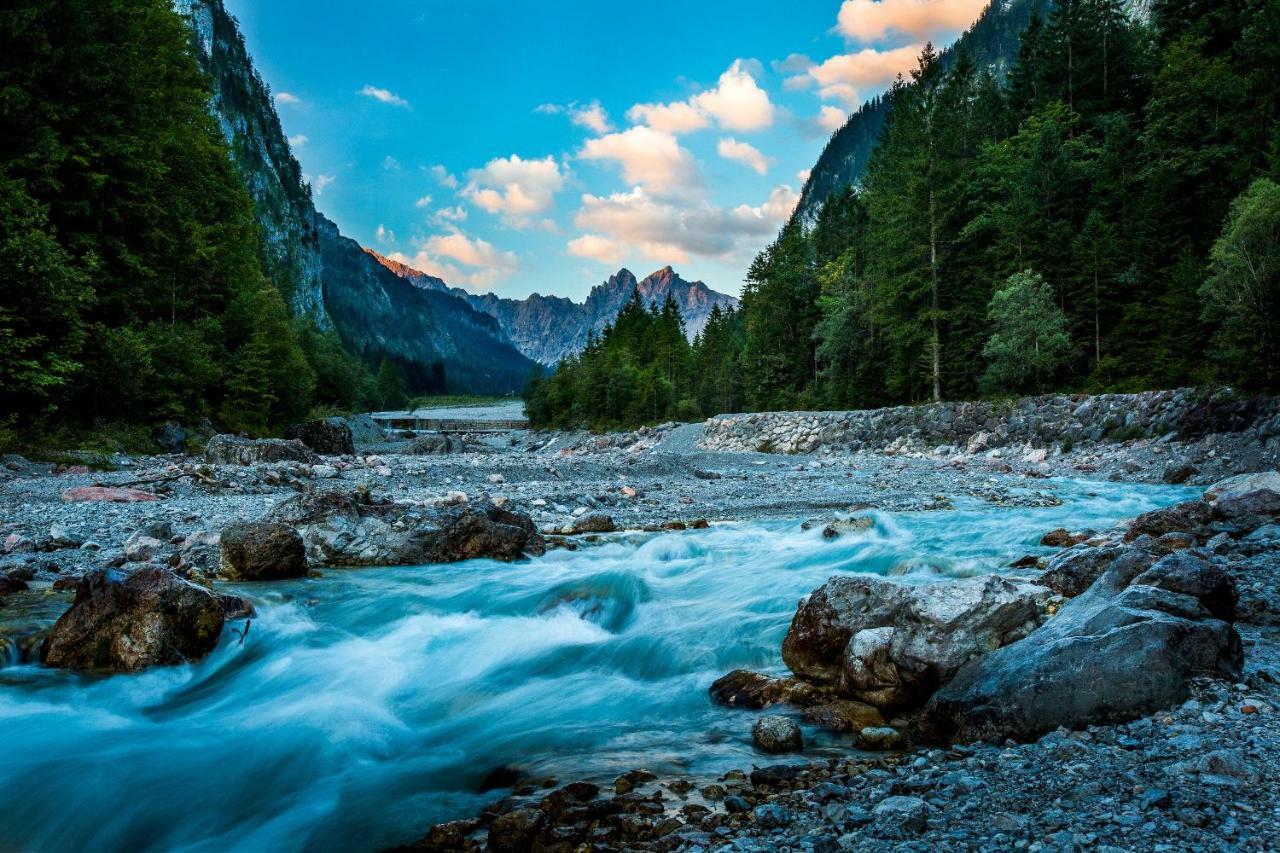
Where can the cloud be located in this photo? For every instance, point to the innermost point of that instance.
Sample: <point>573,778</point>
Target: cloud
<point>637,222</point>
<point>748,155</point>
<point>443,178</point>
<point>384,96</point>
<point>803,175</point>
<point>831,119</point>
<point>592,115</point>
<point>423,202</point>
<point>287,99</point>
<point>867,21</point>
<point>678,117</point>
<point>321,182</point>
<point>390,163</point>
<point>736,103</point>
<point>457,213</point>
<point>460,260</point>
<point>385,235</point>
<point>648,157</point>
<point>851,77</point>
<point>514,187</point>
<point>596,247</point>
<point>298,141</point>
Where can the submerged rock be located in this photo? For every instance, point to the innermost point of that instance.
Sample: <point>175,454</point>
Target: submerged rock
<point>233,450</point>
<point>326,436</point>
<point>260,551</point>
<point>126,623</point>
<point>890,644</point>
<point>1128,646</point>
<point>776,734</point>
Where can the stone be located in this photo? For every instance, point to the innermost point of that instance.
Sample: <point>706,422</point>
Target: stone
<point>841,526</point>
<point>900,817</point>
<point>880,738</point>
<point>890,643</point>
<point>128,622</point>
<point>1074,570</point>
<point>233,450</point>
<point>354,529</point>
<point>735,804</point>
<point>324,472</point>
<point>777,734</point>
<point>594,522</point>
<point>261,551</point>
<point>843,715</point>
<point>632,779</point>
<point>1243,484</point>
<point>435,444</point>
<point>1128,646</point>
<point>1190,517</point>
<point>516,831</point>
<point>107,493</point>
<point>1178,473</point>
<point>771,816</point>
<point>326,436</point>
<point>1062,538</point>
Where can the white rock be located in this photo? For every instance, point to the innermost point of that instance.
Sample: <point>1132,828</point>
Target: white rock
<point>497,478</point>
<point>324,472</point>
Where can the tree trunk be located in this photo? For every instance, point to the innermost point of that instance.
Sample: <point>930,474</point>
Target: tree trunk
<point>933,271</point>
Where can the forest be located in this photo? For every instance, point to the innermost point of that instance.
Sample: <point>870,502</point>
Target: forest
<point>132,288</point>
<point>1102,218</point>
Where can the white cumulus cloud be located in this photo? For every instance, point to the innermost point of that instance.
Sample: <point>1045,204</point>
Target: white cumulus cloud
<point>853,77</point>
<point>597,248</point>
<point>287,99</point>
<point>742,152</point>
<point>648,157</point>
<point>514,187</point>
<point>443,177</point>
<point>735,103</point>
<point>591,115</point>
<point>866,21</point>
<point>298,141</point>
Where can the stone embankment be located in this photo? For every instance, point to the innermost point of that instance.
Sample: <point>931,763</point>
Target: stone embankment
<point>1050,421</point>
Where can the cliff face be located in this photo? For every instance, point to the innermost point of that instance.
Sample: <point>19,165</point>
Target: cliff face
<point>440,341</point>
<point>548,328</point>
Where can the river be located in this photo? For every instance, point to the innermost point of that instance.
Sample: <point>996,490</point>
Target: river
<point>364,705</point>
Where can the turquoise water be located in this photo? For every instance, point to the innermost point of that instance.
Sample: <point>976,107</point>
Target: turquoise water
<point>367,704</point>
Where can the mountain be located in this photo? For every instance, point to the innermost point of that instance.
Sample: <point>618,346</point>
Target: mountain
<point>548,328</point>
<point>440,342</point>
<point>992,42</point>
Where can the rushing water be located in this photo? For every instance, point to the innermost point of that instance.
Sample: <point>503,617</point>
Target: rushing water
<point>366,704</point>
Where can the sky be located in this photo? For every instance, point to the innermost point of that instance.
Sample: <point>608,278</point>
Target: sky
<point>520,146</point>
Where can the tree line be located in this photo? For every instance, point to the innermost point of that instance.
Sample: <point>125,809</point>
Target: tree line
<point>131,273</point>
<point>1102,219</point>
<point>642,369</point>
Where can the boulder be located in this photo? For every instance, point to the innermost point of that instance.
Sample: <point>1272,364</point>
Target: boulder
<point>1074,570</point>
<point>326,436</point>
<point>1062,538</point>
<point>1179,473</point>
<point>128,622</point>
<point>1242,484</point>
<point>843,715</point>
<point>1190,517</point>
<point>261,551</point>
<point>355,530</point>
<point>900,817</point>
<point>233,450</point>
<point>435,444</point>
<point>1127,647</point>
<point>594,522</point>
<point>776,734</point>
<point>841,526</point>
<point>516,831</point>
<point>743,688</point>
<point>891,643</point>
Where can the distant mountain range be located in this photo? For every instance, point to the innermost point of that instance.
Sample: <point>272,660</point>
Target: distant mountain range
<point>441,343</point>
<point>548,328</point>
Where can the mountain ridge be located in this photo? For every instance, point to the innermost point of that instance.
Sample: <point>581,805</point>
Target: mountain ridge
<point>547,328</point>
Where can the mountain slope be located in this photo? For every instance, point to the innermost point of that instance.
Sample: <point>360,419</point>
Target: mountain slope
<point>548,328</point>
<point>992,42</point>
<point>439,341</point>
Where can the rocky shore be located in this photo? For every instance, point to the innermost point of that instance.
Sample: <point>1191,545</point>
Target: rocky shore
<point>1120,693</point>
<point>1136,714</point>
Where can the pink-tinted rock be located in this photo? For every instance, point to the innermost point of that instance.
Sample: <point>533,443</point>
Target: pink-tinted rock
<point>108,493</point>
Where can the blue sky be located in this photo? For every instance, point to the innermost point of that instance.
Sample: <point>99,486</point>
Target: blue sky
<point>517,146</point>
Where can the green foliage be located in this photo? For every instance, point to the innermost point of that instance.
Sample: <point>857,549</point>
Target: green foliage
<point>1107,162</point>
<point>1243,293</point>
<point>131,285</point>
<point>641,370</point>
<point>1029,342</point>
<point>391,392</point>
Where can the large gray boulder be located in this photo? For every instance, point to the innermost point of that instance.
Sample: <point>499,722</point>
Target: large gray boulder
<point>128,622</point>
<point>261,551</point>
<point>354,530</point>
<point>1128,646</point>
<point>890,643</point>
<point>435,444</point>
<point>1074,570</point>
<point>233,450</point>
<point>326,436</point>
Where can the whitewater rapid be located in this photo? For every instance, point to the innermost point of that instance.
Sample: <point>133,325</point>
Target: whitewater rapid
<point>364,705</point>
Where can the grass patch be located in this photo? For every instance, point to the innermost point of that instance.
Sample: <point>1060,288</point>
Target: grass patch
<point>447,401</point>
